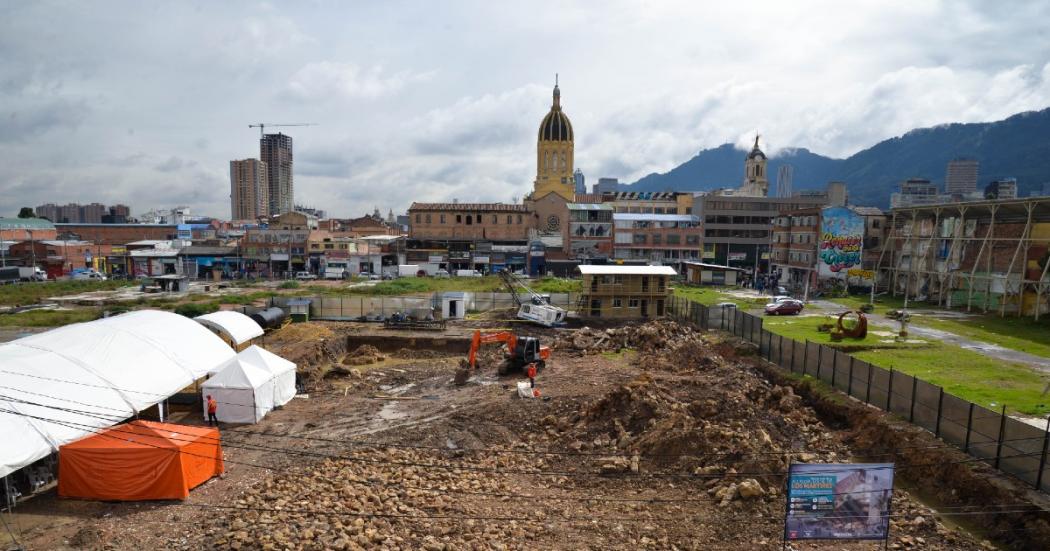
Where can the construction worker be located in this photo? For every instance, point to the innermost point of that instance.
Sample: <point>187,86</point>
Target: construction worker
<point>213,406</point>
<point>531,372</point>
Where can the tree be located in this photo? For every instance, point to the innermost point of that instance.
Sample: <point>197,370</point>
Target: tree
<point>26,212</point>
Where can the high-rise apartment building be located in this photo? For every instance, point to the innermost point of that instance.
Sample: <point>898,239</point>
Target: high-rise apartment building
<point>581,182</point>
<point>275,150</point>
<point>606,185</point>
<point>1005,188</point>
<point>92,213</point>
<point>249,190</point>
<point>962,177</point>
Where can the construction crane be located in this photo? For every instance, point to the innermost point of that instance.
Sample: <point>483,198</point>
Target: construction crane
<point>262,126</point>
<point>538,309</point>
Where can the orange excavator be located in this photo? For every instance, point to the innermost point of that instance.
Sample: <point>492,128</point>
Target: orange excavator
<point>519,352</point>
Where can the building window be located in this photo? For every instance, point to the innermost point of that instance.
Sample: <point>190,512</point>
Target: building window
<point>470,219</point>
<point>442,218</point>
<point>510,219</point>
<point>656,239</point>
<point>633,303</point>
<point>692,239</point>
<point>519,219</point>
<point>617,303</point>
<point>674,239</point>
<point>428,219</point>
<point>459,218</point>
<point>495,219</point>
<point>418,217</point>
<point>639,239</point>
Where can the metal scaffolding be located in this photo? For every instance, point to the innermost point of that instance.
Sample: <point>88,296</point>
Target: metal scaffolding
<point>988,255</point>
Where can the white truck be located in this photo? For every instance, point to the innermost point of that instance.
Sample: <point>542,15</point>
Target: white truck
<point>336,269</point>
<point>468,273</point>
<point>32,274</point>
<point>408,270</point>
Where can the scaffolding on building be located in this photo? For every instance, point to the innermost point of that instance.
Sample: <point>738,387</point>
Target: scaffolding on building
<point>986,255</point>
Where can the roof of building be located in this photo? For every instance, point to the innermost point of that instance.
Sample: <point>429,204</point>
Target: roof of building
<point>589,206</point>
<point>643,195</point>
<point>154,253</point>
<point>556,126</point>
<point>99,225</point>
<point>149,242</point>
<point>713,266</point>
<point>503,207</point>
<point>868,211</point>
<point>646,217</point>
<point>25,224</point>
<point>755,151</point>
<point>116,367</point>
<point>616,269</point>
<point>65,243</point>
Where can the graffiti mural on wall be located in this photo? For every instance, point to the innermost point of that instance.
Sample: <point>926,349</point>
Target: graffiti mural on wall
<point>841,240</point>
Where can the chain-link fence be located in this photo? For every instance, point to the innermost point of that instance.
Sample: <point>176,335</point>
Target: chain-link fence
<point>1012,446</point>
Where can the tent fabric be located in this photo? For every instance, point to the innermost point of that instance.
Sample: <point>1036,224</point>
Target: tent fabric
<point>140,460</point>
<point>237,326</point>
<point>58,386</point>
<point>249,386</point>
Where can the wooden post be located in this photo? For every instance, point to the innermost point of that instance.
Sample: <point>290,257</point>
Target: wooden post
<point>834,365</point>
<point>849,386</point>
<point>911,410</point>
<point>889,393</point>
<point>940,408</point>
<point>867,391</point>
<point>805,355</point>
<point>1002,431</point>
<point>969,425</point>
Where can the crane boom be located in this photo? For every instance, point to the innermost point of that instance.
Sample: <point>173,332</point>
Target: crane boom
<point>262,126</point>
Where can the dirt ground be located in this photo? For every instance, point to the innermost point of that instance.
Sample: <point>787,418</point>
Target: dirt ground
<point>654,436</point>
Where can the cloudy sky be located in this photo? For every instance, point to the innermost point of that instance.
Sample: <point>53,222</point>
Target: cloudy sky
<point>146,102</point>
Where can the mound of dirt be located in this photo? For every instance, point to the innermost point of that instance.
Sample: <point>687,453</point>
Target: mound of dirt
<point>365,354</point>
<point>648,336</point>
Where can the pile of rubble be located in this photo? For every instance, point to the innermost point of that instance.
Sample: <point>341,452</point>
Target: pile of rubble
<point>654,335</point>
<point>385,499</point>
<point>365,354</point>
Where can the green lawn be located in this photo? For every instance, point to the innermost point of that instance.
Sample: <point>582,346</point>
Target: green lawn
<point>969,375</point>
<point>48,318</point>
<point>23,294</point>
<point>1022,334</point>
<point>710,295</point>
<point>414,285</point>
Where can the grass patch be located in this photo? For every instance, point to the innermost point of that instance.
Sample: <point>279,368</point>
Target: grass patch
<point>21,294</point>
<point>969,375</point>
<point>288,285</point>
<point>711,295</point>
<point>48,318</point>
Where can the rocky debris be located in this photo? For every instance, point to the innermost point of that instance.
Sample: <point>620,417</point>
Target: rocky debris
<point>364,355</point>
<point>639,336</point>
<point>749,488</point>
<point>377,499</point>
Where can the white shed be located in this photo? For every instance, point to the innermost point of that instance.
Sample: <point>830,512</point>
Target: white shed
<point>453,305</point>
<point>250,385</point>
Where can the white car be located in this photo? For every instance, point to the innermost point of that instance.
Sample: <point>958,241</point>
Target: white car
<point>780,298</point>
<point>441,273</point>
<point>89,276</point>
<point>304,276</point>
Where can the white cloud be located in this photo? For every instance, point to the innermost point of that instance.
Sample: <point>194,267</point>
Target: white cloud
<point>322,80</point>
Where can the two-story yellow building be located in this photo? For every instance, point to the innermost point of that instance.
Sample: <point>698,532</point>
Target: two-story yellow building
<point>617,291</point>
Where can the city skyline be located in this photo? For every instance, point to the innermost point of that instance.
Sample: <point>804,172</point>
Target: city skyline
<point>451,113</point>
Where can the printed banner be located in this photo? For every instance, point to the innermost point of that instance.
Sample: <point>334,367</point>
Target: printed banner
<point>839,501</point>
<point>841,238</point>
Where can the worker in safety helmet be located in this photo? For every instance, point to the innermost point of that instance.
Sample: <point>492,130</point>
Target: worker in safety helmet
<point>212,407</point>
<point>531,372</point>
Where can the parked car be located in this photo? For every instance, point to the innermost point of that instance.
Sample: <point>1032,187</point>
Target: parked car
<point>784,307</point>
<point>441,273</point>
<point>305,276</point>
<point>387,277</point>
<point>89,275</point>
<point>780,298</point>
<point>726,305</point>
<point>374,277</point>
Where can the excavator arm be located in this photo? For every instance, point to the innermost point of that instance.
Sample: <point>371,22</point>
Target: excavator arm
<point>510,339</point>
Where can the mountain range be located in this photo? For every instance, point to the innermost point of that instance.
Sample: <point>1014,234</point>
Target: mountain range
<point>1016,147</point>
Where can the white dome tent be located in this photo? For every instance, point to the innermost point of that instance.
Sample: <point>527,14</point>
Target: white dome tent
<point>238,328</point>
<point>249,386</point>
<point>58,386</point>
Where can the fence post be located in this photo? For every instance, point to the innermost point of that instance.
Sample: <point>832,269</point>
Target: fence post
<point>999,444</point>
<point>889,393</point>
<point>780,351</point>
<point>1042,458</point>
<point>849,386</point>
<point>940,407</point>
<point>969,425</point>
<point>834,365</point>
<point>805,355</point>
<point>911,409</point>
<point>867,392</point>
<point>793,357</point>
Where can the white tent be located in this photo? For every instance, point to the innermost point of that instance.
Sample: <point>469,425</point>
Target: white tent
<point>236,326</point>
<point>58,386</point>
<point>248,386</point>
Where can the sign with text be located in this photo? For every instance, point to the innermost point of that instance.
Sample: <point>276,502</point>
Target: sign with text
<point>841,238</point>
<point>838,501</point>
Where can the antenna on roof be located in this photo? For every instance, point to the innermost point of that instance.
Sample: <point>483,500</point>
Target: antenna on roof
<point>555,79</point>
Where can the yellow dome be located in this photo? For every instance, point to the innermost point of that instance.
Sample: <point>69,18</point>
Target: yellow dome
<point>556,126</point>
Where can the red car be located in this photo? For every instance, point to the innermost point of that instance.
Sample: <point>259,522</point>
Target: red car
<point>784,307</point>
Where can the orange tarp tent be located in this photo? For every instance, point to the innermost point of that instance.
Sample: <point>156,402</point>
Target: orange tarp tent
<point>140,460</point>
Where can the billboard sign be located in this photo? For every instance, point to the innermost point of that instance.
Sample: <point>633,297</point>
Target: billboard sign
<point>841,238</point>
<point>838,501</point>
<point>737,257</point>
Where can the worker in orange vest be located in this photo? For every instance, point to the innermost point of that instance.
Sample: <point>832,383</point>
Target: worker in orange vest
<point>212,407</point>
<point>531,372</point>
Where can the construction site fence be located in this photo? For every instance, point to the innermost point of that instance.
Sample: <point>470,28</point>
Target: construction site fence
<point>355,307</point>
<point>1007,444</point>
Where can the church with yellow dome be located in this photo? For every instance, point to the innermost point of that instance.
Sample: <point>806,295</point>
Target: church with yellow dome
<point>554,153</point>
